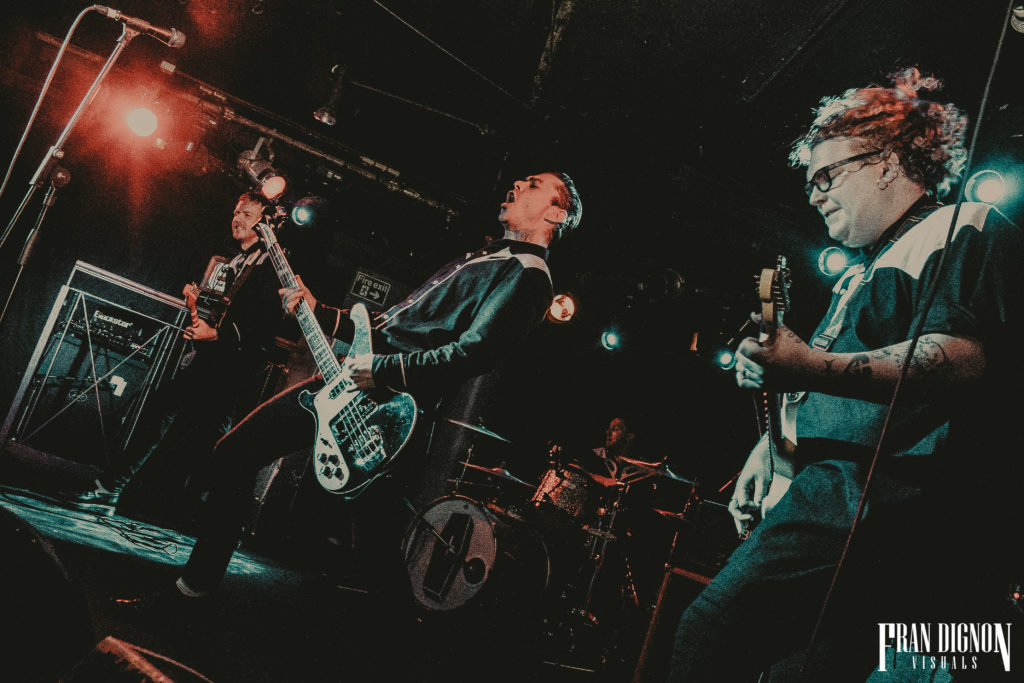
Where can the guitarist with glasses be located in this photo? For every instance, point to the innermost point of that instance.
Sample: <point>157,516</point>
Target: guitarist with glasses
<point>460,323</point>
<point>909,531</point>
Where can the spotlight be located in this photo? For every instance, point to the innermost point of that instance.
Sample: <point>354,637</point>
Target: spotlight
<point>563,308</point>
<point>610,339</point>
<point>142,121</point>
<point>327,114</point>
<point>986,186</point>
<point>832,261</point>
<point>725,359</point>
<point>262,174</point>
<point>305,210</point>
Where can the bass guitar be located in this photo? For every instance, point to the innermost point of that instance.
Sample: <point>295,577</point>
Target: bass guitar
<point>358,435</point>
<point>778,415</point>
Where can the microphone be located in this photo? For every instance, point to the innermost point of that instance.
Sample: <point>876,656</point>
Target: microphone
<point>1017,18</point>
<point>171,37</point>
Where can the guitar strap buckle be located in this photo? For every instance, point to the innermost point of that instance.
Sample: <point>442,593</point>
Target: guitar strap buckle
<point>823,341</point>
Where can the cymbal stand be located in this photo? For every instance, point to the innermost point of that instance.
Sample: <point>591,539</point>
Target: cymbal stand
<point>49,171</point>
<point>424,524</point>
<point>457,481</point>
<point>641,672</point>
<point>602,536</point>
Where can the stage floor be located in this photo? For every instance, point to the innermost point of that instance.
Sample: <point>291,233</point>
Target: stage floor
<point>284,616</point>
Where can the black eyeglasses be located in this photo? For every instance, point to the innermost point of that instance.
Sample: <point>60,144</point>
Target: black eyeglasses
<point>822,178</point>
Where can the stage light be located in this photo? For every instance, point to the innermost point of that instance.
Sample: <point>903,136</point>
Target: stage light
<point>302,215</point>
<point>262,174</point>
<point>141,121</point>
<point>725,359</point>
<point>986,186</point>
<point>328,114</point>
<point>610,339</point>
<point>832,261</point>
<point>563,308</point>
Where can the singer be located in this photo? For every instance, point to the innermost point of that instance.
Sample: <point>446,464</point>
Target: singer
<point>877,161</point>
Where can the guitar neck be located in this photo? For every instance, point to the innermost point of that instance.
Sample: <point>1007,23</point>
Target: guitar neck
<point>319,346</point>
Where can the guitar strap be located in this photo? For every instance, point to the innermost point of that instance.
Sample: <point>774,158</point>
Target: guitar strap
<point>242,269</point>
<point>858,274</point>
<point>855,276</point>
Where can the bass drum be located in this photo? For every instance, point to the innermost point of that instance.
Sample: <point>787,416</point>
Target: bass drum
<point>461,553</point>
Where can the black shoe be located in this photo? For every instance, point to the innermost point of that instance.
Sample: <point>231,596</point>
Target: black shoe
<point>175,598</point>
<point>98,500</point>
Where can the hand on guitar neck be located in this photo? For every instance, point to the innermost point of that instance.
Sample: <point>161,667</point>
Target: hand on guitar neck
<point>199,330</point>
<point>769,468</point>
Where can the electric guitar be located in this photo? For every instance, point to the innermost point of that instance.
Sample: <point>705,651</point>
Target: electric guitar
<point>358,435</point>
<point>778,414</point>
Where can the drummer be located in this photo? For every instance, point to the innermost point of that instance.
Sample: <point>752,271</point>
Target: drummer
<point>613,462</point>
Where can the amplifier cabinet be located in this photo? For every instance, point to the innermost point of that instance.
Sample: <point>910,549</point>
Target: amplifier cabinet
<point>107,345</point>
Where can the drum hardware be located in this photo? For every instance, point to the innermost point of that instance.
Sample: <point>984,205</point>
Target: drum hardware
<point>480,430</point>
<point>495,472</point>
<point>668,514</point>
<point>660,469</point>
<point>418,519</point>
<point>601,536</point>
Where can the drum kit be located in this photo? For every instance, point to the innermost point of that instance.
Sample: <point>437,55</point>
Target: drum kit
<point>558,549</point>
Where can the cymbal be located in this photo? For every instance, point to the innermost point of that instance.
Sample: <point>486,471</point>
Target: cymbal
<point>678,516</point>
<point>642,464</point>
<point>479,430</point>
<point>496,472</point>
<point>658,468</point>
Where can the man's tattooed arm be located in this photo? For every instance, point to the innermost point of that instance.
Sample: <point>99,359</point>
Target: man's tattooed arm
<point>940,362</point>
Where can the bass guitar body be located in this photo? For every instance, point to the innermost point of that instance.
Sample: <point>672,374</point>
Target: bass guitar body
<point>357,435</point>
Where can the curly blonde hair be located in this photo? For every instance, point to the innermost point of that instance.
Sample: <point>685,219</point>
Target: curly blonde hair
<point>927,136</point>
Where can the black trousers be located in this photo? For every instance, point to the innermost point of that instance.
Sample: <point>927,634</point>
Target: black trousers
<point>278,427</point>
<point>918,556</point>
<point>202,400</point>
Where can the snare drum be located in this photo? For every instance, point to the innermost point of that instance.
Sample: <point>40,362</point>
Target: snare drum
<point>460,552</point>
<point>569,492</point>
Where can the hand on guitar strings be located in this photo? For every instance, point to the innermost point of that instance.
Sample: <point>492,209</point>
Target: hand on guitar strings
<point>752,485</point>
<point>361,370</point>
<point>201,331</point>
<point>291,296</point>
<point>783,362</point>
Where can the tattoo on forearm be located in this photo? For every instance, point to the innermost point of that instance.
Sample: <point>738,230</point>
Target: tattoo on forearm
<point>860,366</point>
<point>931,359</point>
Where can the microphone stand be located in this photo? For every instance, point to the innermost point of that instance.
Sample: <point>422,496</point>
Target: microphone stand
<point>49,171</point>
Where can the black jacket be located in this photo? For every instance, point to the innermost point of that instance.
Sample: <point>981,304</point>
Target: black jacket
<point>461,322</point>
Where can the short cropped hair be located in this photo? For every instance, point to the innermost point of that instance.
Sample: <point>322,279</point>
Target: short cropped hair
<point>569,200</point>
<point>927,136</point>
<point>256,197</point>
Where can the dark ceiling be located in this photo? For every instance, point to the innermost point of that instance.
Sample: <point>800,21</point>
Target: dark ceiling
<point>674,116</point>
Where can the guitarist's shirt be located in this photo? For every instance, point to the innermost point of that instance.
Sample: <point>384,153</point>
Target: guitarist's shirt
<point>459,323</point>
<point>253,318</point>
<point>879,301</point>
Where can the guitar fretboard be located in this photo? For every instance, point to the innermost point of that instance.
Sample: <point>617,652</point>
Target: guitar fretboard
<point>319,346</point>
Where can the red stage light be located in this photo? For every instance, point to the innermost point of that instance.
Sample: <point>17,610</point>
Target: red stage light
<point>141,121</point>
<point>273,186</point>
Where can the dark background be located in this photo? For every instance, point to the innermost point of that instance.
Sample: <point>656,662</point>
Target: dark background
<point>675,119</point>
